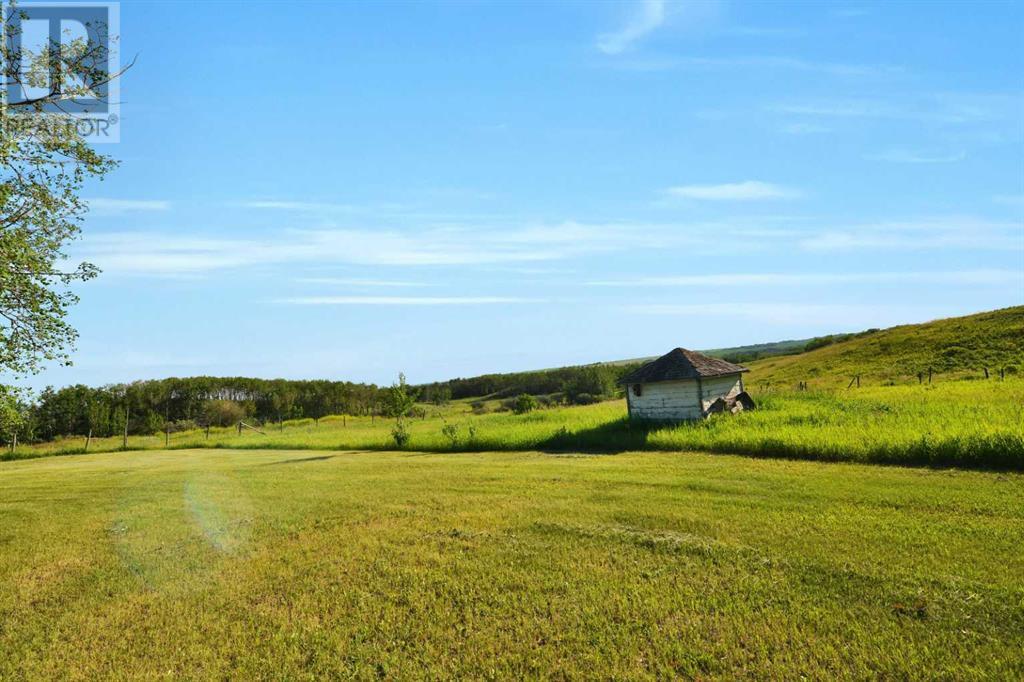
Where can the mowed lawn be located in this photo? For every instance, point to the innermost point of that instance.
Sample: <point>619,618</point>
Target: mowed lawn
<point>298,564</point>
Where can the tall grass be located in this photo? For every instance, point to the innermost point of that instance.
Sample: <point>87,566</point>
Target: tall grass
<point>968,424</point>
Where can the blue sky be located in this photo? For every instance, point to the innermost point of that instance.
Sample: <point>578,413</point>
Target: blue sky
<point>347,190</point>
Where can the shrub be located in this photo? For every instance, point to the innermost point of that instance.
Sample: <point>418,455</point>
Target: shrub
<point>182,425</point>
<point>223,412</point>
<point>524,403</point>
<point>585,399</point>
<point>400,434</point>
<point>819,342</point>
<point>451,433</point>
<point>479,407</point>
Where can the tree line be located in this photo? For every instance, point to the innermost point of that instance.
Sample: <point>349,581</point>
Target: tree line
<point>148,407</point>
<point>597,381</point>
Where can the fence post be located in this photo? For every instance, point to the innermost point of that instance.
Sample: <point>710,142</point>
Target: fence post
<point>986,372</point>
<point>929,375</point>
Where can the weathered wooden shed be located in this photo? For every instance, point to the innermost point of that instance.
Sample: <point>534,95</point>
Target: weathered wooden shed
<point>680,385</point>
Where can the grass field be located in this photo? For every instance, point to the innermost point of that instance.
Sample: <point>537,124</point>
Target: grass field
<point>262,564</point>
<point>952,347</point>
<point>960,423</point>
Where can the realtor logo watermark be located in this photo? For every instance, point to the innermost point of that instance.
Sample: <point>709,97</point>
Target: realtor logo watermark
<point>60,68</point>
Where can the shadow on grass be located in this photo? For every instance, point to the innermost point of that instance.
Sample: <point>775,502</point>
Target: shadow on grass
<point>621,435</point>
<point>300,460</point>
<point>1000,452</point>
<point>997,451</point>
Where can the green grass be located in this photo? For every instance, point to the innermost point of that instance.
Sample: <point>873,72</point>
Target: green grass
<point>953,347</point>
<point>295,565</point>
<point>974,424</point>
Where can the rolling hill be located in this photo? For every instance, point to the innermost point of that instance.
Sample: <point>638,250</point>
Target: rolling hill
<point>748,353</point>
<point>957,346</point>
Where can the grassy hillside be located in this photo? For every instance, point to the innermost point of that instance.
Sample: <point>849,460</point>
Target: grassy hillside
<point>958,423</point>
<point>954,347</point>
<point>739,354</point>
<point>298,565</point>
<point>555,380</point>
<point>960,345</point>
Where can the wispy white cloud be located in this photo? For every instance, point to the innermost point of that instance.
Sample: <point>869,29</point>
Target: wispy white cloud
<point>764,31</point>
<point>850,12</point>
<point>840,109</point>
<point>107,206</point>
<point>780,313</point>
<point>418,206</point>
<point>341,281</point>
<point>1009,199</point>
<point>805,129</point>
<point>949,108</point>
<point>765,62</point>
<point>298,206</point>
<point>751,190</point>
<point>406,300</point>
<point>954,232</point>
<point>907,156</point>
<point>648,16</point>
<point>183,254</point>
<point>743,279</point>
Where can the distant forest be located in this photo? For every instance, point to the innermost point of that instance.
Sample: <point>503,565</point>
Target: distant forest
<point>186,403</point>
<point>179,404</point>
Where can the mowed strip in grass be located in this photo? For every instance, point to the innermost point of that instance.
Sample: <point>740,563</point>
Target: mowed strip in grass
<point>960,423</point>
<point>264,564</point>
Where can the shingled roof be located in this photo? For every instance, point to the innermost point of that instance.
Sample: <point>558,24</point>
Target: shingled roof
<point>680,363</point>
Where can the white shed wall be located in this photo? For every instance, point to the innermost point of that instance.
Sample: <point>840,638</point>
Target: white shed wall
<point>720,387</point>
<point>678,400</point>
<point>665,400</point>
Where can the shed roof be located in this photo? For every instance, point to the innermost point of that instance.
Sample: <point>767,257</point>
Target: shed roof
<point>680,363</point>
